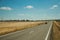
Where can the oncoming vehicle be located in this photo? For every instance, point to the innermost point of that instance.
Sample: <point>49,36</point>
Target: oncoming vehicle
<point>45,22</point>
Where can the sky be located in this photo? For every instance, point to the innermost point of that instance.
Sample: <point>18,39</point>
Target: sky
<point>29,9</point>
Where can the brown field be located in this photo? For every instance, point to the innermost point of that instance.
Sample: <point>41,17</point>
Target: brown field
<point>56,30</point>
<point>8,27</point>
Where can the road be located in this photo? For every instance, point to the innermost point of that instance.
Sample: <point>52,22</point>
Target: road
<point>34,33</point>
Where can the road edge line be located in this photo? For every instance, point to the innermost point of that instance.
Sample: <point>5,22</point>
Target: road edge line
<point>48,32</point>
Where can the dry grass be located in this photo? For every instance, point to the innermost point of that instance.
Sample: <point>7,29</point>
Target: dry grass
<point>56,30</point>
<point>7,27</point>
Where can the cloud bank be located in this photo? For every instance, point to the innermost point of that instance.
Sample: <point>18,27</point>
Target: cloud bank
<point>5,8</point>
<point>29,7</point>
<point>54,6</point>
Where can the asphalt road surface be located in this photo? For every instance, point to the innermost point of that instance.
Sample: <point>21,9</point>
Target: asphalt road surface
<point>34,33</point>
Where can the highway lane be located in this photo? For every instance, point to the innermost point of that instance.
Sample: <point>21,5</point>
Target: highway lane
<point>34,33</point>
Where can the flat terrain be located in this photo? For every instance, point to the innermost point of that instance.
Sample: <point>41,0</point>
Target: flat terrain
<point>56,30</point>
<point>7,27</point>
<point>39,32</point>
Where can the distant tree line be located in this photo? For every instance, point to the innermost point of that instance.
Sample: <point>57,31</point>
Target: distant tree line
<point>16,20</point>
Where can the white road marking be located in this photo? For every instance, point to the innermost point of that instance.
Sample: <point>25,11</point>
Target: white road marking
<point>48,32</point>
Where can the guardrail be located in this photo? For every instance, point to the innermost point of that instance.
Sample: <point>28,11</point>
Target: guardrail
<point>50,33</point>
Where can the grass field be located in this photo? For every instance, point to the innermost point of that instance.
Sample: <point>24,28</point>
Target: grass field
<point>56,30</point>
<point>8,27</point>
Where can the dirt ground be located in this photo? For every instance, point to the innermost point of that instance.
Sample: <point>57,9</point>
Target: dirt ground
<point>56,30</point>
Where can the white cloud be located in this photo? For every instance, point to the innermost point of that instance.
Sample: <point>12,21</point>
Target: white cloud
<point>29,7</point>
<point>54,6</point>
<point>5,8</point>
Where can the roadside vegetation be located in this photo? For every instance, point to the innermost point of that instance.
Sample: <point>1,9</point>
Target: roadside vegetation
<point>8,27</point>
<point>56,30</point>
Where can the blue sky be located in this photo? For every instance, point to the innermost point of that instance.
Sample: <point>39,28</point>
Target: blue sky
<point>29,9</point>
